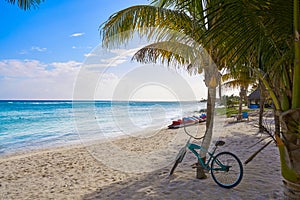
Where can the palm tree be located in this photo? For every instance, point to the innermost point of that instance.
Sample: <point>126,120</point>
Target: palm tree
<point>268,31</point>
<point>26,4</point>
<point>156,21</point>
<point>158,51</point>
<point>239,76</point>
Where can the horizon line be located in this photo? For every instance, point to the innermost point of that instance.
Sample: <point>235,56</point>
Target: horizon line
<point>100,100</point>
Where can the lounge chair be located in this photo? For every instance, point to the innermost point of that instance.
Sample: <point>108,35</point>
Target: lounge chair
<point>244,115</point>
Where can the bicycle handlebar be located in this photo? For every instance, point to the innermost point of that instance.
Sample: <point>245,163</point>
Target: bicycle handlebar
<point>196,138</point>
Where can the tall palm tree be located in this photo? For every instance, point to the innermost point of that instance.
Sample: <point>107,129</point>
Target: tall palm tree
<point>239,76</point>
<point>156,21</point>
<point>158,51</point>
<point>26,4</point>
<point>268,31</point>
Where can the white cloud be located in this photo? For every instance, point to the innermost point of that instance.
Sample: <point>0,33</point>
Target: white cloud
<point>32,79</point>
<point>81,47</point>
<point>127,52</point>
<point>39,49</point>
<point>66,65</point>
<point>104,75</point>
<point>95,67</point>
<point>106,86</point>
<point>114,61</point>
<point>112,58</point>
<point>33,49</point>
<point>89,54</point>
<point>23,52</point>
<point>77,34</point>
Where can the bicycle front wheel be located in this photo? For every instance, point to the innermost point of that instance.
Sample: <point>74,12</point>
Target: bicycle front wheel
<point>227,170</point>
<point>179,159</point>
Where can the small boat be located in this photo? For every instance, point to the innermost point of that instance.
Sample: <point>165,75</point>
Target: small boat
<point>187,121</point>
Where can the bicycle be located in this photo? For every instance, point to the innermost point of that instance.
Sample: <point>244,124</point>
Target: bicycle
<point>226,168</point>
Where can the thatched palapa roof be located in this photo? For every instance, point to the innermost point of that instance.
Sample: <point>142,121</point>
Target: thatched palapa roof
<point>254,95</point>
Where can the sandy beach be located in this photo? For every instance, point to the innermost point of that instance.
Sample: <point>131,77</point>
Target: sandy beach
<point>90,172</point>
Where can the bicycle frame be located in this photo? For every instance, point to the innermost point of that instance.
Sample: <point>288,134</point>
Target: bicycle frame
<point>205,165</point>
<point>193,147</point>
<point>217,165</point>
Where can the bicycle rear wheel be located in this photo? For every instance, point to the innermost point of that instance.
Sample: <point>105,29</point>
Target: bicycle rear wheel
<point>179,159</point>
<point>227,170</point>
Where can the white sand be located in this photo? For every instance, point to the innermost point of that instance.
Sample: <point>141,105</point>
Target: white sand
<point>138,170</point>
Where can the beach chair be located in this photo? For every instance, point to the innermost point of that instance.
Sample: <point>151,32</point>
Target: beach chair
<point>241,117</point>
<point>245,115</point>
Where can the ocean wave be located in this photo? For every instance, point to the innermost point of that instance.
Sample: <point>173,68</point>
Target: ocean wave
<point>36,124</point>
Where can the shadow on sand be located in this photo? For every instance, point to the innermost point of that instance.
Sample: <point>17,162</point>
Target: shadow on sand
<point>262,179</point>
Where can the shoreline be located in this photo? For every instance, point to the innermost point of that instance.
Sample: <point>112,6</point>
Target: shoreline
<point>76,144</point>
<point>76,171</point>
<point>38,125</point>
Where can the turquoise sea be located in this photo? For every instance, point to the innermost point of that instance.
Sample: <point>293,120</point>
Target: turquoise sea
<point>29,125</point>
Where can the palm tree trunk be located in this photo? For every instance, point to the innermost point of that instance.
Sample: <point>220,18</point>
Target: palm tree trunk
<point>261,106</point>
<point>291,190</point>
<point>290,120</point>
<point>246,97</point>
<point>296,74</point>
<point>210,118</point>
<point>220,91</point>
<point>212,78</point>
<point>211,100</point>
<point>240,104</point>
<point>277,114</point>
<point>290,153</point>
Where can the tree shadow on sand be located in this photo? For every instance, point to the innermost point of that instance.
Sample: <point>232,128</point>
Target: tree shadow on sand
<point>261,180</point>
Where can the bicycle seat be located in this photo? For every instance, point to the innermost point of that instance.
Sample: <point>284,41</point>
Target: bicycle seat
<point>220,143</point>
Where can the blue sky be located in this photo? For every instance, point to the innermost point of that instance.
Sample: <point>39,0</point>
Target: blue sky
<point>43,50</point>
<point>57,31</point>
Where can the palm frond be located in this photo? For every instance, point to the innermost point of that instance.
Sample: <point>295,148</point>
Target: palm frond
<point>26,4</point>
<point>246,26</point>
<point>193,8</point>
<point>236,83</point>
<point>174,54</point>
<point>153,22</point>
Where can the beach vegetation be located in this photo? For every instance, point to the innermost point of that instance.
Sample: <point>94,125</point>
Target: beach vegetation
<point>230,101</point>
<point>230,111</point>
<point>260,35</point>
<point>240,77</point>
<point>266,34</point>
